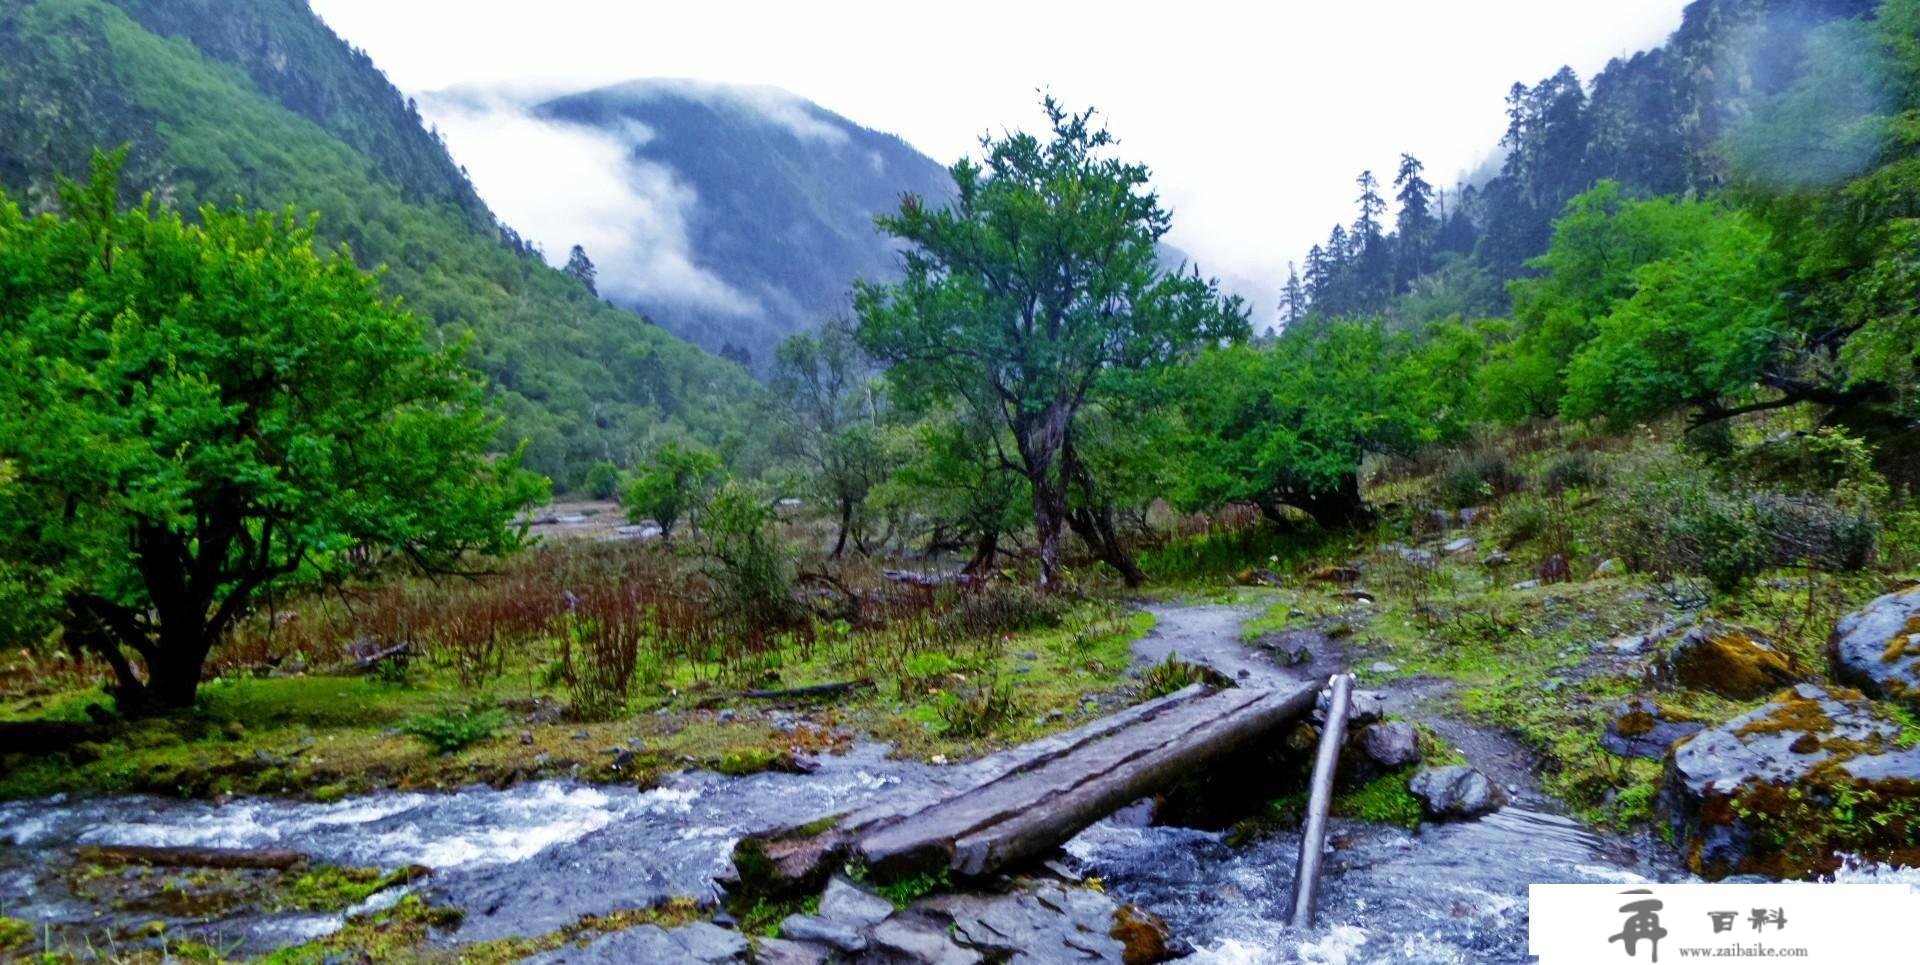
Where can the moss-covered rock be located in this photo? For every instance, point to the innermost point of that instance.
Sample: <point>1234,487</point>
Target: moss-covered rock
<point>1782,790</point>
<point>1728,661</point>
<point>1877,648</point>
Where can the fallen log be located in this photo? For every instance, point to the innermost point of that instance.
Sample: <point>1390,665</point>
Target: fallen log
<point>278,859</point>
<point>814,692</point>
<point>1313,834</point>
<point>796,858</point>
<point>1019,805</point>
<point>1027,814</point>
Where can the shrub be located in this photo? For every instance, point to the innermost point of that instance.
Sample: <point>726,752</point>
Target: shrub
<point>451,730</point>
<point>978,713</point>
<point>602,480</point>
<point>1173,675</point>
<point>599,651</point>
<point>1570,470</point>
<point>751,571</point>
<point>1474,475</point>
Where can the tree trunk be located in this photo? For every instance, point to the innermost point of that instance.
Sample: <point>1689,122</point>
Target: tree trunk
<point>986,550</point>
<point>1093,521</point>
<point>1341,508</point>
<point>846,523</point>
<point>1041,441</point>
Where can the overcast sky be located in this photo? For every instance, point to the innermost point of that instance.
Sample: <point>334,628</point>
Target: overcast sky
<point>1254,118</point>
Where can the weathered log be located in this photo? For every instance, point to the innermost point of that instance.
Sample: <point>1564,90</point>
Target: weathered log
<point>187,857</point>
<point>1024,815</point>
<point>798,857</point>
<point>1313,835</point>
<point>808,693</point>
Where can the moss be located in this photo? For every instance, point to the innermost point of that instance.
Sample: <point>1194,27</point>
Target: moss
<point>673,913</point>
<point>1384,800</point>
<point>331,888</point>
<point>14,933</point>
<point>1144,938</point>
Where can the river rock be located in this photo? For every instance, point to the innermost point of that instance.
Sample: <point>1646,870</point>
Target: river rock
<point>920,942</point>
<point>1757,795</point>
<point>1640,728</point>
<point>1878,648</point>
<point>1050,923</point>
<point>1391,743</point>
<point>1458,791</point>
<point>833,934</point>
<point>781,951</point>
<point>699,942</point>
<point>1728,661</point>
<point>849,905</point>
<point>1363,707</point>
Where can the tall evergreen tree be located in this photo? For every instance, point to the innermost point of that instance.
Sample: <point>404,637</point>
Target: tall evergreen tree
<point>581,269</point>
<point>1415,224</point>
<point>1372,268</point>
<point>1293,298</point>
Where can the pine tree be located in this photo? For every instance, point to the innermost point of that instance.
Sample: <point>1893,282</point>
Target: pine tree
<point>1415,224</point>
<point>580,267</point>
<point>1293,298</point>
<point>1372,268</point>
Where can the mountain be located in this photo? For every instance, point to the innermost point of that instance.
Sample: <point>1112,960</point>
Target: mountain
<point>733,215</point>
<point>257,100</point>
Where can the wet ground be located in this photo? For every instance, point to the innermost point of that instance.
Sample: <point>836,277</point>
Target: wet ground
<point>534,858</point>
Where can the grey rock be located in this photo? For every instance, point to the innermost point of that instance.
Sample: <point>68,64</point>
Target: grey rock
<point>1458,791</point>
<point>1496,558</point>
<point>914,940</point>
<point>780,951</point>
<point>812,928</point>
<point>1783,743</point>
<point>1609,567</point>
<point>1726,660</point>
<point>1050,923</point>
<point>644,943</point>
<point>1391,743</point>
<point>1465,544</point>
<point>1381,666</point>
<point>1639,728</point>
<point>1441,519</point>
<point>1877,648</point>
<point>847,904</point>
<point>707,942</point>
<point>1525,585</point>
<point>1363,708</point>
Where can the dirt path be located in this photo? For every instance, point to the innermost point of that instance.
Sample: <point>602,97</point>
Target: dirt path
<point>1211,634</point>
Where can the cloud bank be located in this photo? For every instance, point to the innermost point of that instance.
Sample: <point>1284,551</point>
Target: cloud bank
<point>562,184</point>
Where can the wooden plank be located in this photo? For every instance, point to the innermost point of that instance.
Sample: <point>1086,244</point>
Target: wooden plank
<point>790,857</point>
<point>188,857</point>
<point>1025,814</point>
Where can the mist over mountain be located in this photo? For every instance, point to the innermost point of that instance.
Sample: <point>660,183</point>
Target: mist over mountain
<point>731,215</point>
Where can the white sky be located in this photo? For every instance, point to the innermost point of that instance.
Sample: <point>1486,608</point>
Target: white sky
<point>1254,117</point>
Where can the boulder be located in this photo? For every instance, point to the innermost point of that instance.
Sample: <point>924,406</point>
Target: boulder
<point>1765,792</point>
<point>1458,791</point>
<point>1052,922</point>
<point>848,904</point>
<point>780,951</point>
<point>699,942</point>
<point>1877,649</point>
<point>1465,544</point>
<point>1642,728</point>
<point>921,942</point>
<point>833,934</point>
<point>1609,567</point>
<point>1725,660</point>
<point>1391,743</point>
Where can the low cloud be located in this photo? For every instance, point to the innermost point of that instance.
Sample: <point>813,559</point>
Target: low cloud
<point>562,184</point>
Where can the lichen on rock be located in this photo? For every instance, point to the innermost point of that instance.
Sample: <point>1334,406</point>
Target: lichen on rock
<point>1877,648</point>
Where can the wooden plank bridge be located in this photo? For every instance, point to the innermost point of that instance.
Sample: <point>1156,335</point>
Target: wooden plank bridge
<point>1022,804</point>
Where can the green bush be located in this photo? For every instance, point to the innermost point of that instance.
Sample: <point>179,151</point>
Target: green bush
<point>752,573</point>
<point>602,480</point>
<point>1475,475</point>
<point>451,730</point>
<point>1570,470</point>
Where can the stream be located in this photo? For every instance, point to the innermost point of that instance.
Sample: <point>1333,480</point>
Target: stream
<point>533,858</point>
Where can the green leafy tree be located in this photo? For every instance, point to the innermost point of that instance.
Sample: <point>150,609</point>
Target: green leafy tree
<point>829,410</point>
<point>194,413</point>
<point>672,486</point>
<point>1025,292</point>
<point>1289,425</point>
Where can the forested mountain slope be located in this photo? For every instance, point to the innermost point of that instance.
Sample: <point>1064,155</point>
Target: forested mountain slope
<point>257,101</point>
<point>783,194</point>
